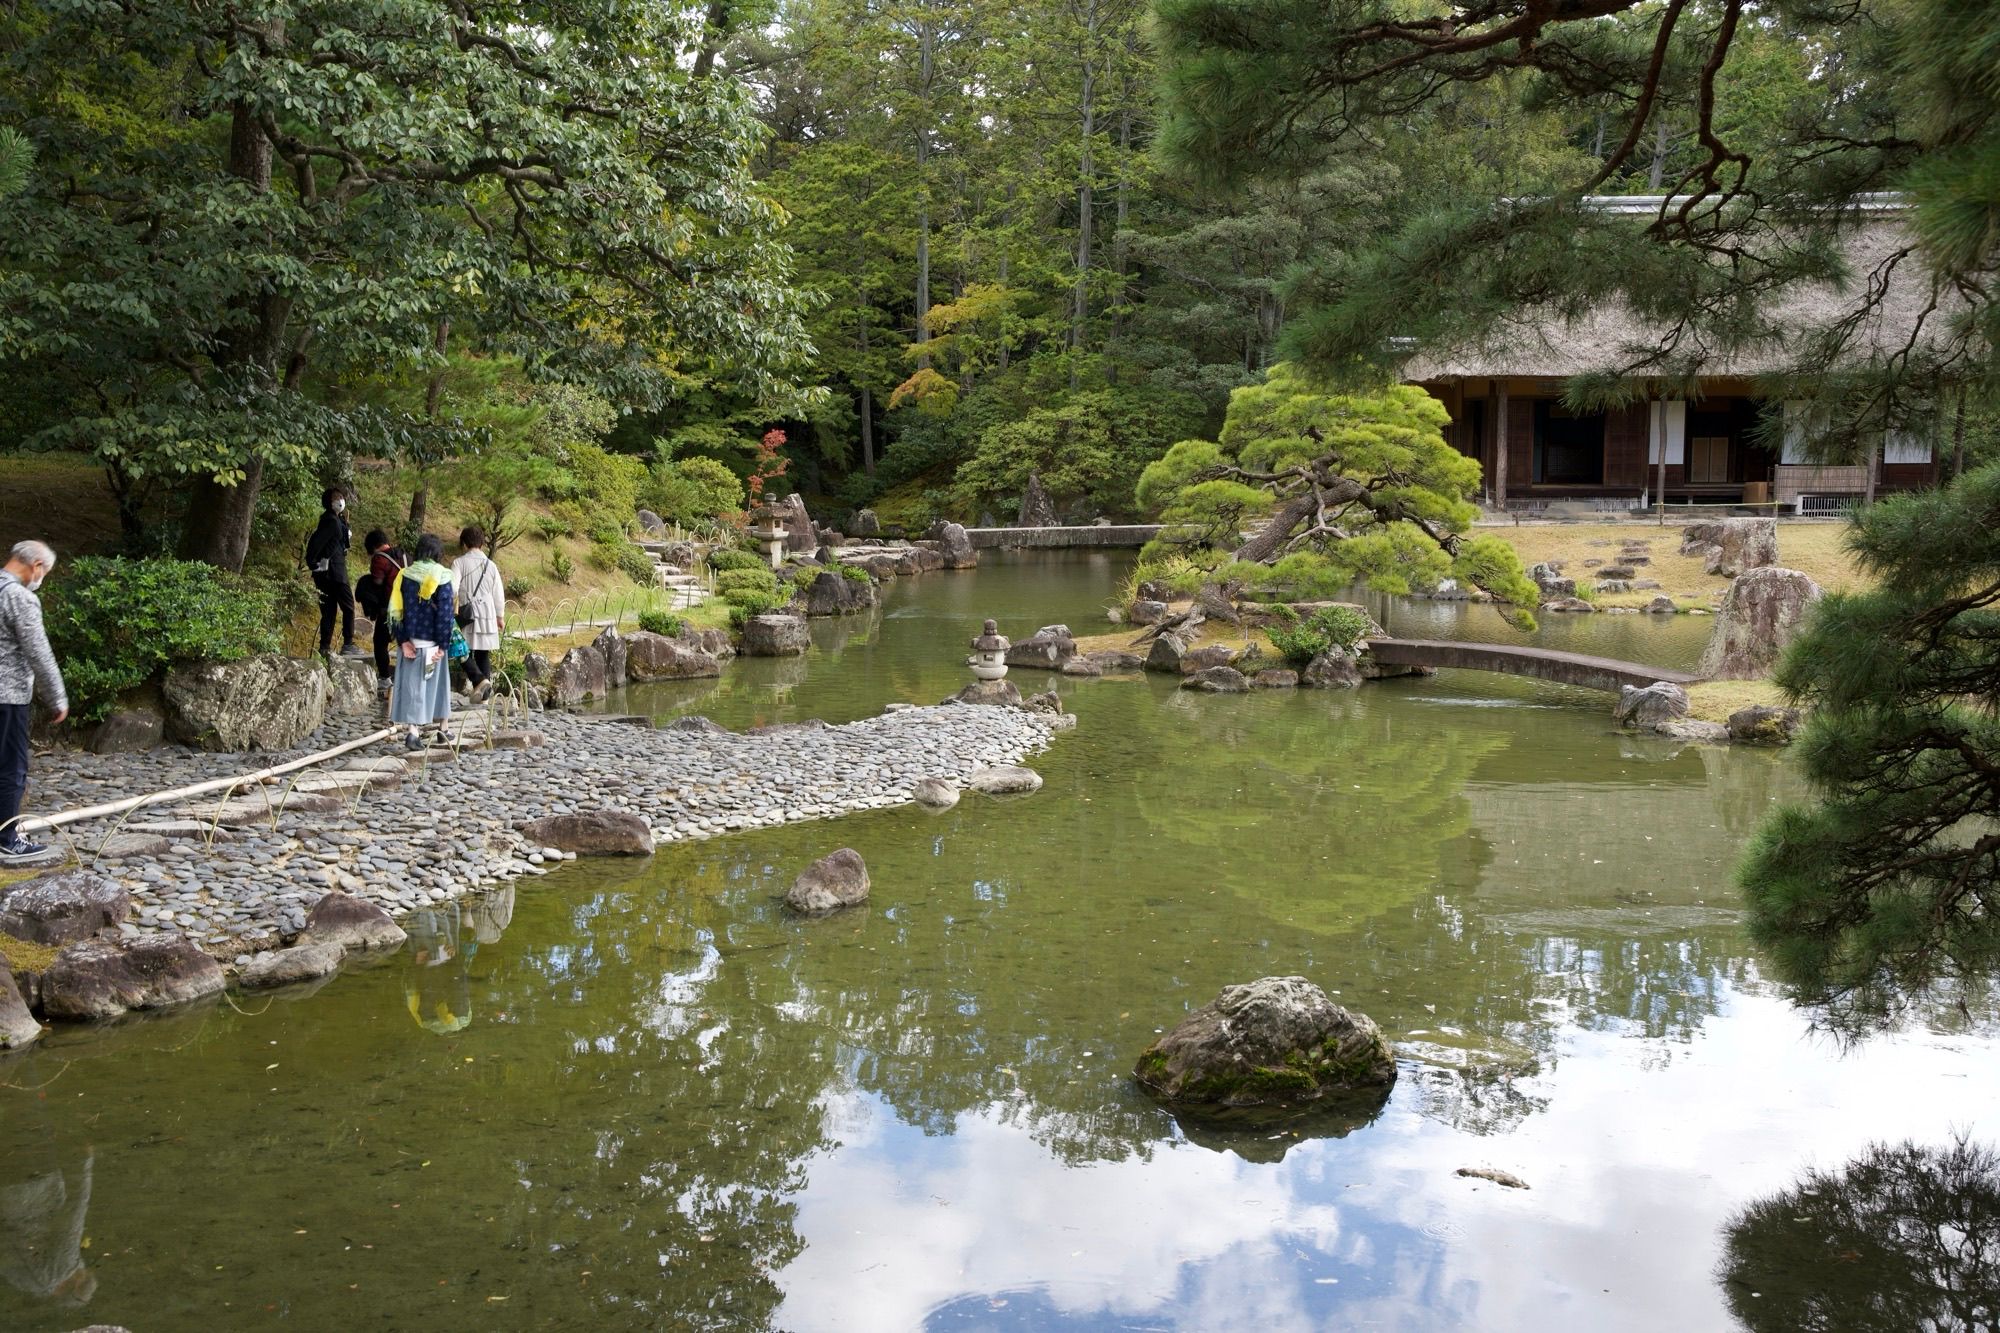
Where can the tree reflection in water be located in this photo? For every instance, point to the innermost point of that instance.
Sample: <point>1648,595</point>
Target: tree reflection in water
<point>1903,1238</point>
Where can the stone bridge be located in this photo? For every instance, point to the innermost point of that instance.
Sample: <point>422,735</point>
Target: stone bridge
<point>1593,673</point>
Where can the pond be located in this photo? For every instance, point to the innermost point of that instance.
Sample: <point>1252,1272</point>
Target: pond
<point>640,1096</point>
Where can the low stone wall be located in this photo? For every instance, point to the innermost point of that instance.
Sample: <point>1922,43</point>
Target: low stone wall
<point>1073,538</point>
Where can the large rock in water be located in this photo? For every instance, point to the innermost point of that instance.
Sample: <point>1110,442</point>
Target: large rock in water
<point>1001,693</point>
<point>260,703</point>
<point>1761,724</point>
<point>95,979</point>
<point>714,642</point>
<point>1728,546</point>
<point>776,635</point>
<point>1217,680</point>
<point>1273,1048</point>
<point>650,657</point>
<point>832,593</point>
<point>1047,649</point>
<point>610,645</point>
<point>64,906</point>
<point>1166,652</point>
<point>838,879</point>
<point>592,833</point>
<point>351,923</point>
<point>1005,780</point>
<point>301,962</point>
<point>1650,708</point>
<point>17,1026</point>
<point>1334,669</point>
<point>954,546</point>
<point>579,676</point>
<point>1037,509</point>
<point>1760,615</point>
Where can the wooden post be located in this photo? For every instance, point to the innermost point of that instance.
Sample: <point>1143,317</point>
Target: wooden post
<point>1500,447</point>
<point>1657,416</point>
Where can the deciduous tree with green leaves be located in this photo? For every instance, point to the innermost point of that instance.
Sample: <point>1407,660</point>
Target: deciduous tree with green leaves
<point>227,198</point>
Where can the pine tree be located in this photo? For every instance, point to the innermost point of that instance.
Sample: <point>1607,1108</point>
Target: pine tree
<point>1888,886</point>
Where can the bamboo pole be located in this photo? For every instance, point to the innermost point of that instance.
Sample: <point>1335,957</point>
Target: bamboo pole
<point>200,788</point>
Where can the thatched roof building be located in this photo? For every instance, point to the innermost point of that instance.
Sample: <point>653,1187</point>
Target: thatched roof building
<point>1693,436</point>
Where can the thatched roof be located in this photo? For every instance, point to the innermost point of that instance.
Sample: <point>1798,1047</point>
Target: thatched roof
<point>1540,344</point>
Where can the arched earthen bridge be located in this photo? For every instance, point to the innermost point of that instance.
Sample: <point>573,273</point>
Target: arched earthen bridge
<point>1594,673</point>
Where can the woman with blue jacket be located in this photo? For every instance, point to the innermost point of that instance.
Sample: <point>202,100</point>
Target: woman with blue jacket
<point>420,606</point>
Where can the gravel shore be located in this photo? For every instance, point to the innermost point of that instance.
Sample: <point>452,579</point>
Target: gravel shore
<point>449,827</point>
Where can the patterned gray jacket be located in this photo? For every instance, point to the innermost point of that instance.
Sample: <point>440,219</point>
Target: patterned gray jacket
<point>25,659</point>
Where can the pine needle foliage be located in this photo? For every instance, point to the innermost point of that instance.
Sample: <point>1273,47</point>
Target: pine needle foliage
<point>1887,887</point>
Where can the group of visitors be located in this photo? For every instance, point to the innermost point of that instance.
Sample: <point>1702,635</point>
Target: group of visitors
<point>422,607</point>
<point>432,614</point>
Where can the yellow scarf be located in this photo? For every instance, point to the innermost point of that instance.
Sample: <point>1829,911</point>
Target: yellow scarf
<point>430,576</point>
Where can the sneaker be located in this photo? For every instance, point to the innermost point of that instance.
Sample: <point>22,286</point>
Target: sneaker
<point>482,692</point>
<point>353,650</point>
<point>413,742</point>
<point>21,852</point>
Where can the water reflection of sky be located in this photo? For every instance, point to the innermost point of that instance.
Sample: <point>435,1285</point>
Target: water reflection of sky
<point>1643,1151</point>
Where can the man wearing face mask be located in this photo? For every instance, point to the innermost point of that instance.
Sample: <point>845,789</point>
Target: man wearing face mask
<point>25,663</point>
<point>326,557</point>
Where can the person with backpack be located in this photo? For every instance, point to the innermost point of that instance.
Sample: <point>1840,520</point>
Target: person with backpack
<point>481,610</point>
<point>326,559</point>
<point>420,604</point>
<point>371,594</point>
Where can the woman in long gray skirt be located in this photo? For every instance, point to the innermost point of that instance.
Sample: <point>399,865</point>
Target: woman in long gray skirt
<point>420,605</point>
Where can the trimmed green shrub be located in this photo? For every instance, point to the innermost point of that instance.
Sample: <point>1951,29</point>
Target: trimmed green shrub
<point>561,568</point>
<point>759,580</point>
<point>747,602</point>
<point>636,565</point>
<point>660,622</point>
<point>855,574</point>
<point>726,558</point>
<point>1327,628</point>
<point>116,624</point>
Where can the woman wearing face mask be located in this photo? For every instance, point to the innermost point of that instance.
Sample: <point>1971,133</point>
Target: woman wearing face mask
<point>326,557</point>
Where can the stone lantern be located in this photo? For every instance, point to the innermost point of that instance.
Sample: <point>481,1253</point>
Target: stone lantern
<point>771,535</point>
<point>989,653</point>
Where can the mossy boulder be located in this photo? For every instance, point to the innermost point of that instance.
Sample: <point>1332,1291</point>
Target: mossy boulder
<point>1269,1050</point>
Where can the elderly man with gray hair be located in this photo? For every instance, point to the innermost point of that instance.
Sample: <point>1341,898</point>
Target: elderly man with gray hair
<point>25,662</point>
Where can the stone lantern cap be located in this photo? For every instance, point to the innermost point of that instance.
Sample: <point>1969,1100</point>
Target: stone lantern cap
<point>991,640</point>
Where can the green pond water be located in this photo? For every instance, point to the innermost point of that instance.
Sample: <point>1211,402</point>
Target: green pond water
<point>638,1095</point>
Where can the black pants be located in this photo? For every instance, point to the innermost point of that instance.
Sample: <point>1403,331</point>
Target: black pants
<point>334,595</point>
<point>384,669</point>
<point>13,766</point>
<point>478,668</point>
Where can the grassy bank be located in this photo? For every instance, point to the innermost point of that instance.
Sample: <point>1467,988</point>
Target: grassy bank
<point>1815,549</point>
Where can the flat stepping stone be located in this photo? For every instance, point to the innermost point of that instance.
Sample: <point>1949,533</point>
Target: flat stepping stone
<point>516,740</point>
<point>255,809</point>
<point>379,764</point>
<point>179,828</point>
<point>345,784</point>
<point>130,846</point>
